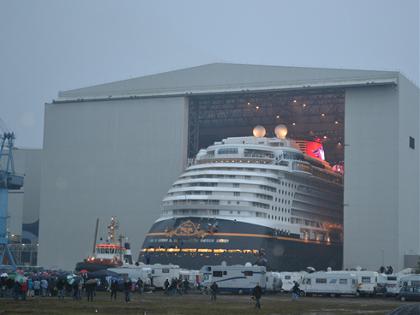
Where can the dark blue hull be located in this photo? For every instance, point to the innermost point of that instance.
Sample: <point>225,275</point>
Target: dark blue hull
<point>193,242</point>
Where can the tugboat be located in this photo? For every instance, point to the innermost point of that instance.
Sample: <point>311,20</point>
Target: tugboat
<point>108,254</point>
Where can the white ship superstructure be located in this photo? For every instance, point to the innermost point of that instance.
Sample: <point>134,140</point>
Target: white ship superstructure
<point>259,182</point>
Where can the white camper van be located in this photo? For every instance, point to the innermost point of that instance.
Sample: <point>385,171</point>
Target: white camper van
<point>367,281</point>
<point>289,278</point>
<point>273,282</point>
<point>236,278</point>
<point>162,272</point>
<point>134,273</point>
<point>388,285</point>
<point>329,283</point>
<point>412,280</point>
<point>192,276</point>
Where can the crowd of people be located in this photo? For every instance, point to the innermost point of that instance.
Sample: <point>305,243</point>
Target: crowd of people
<point>20,286</point>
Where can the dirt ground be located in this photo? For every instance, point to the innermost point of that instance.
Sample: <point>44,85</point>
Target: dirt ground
<point>158,303</point>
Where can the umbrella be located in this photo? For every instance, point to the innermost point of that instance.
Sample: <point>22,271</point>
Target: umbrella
<point>102,273</point>
<point>91,281</point>
<point>4,275</point>
<point>19,278</point>
<point>70,279</point>
<point>83,271</point>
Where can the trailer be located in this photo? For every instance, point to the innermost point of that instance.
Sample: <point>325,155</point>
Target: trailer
<point>192,276</point>
<point>329,283</point>
<point>289,278</point>
<point>162,272</point>
<point>388,284</point>
<point>273,282</point>
<point>412,280</point>
<point>235,279</point>
<point>367,281</point>
<point>135,273</point>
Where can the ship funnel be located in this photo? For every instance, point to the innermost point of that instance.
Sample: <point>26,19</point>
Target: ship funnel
<point>259,131</point>
<point>281,131</point>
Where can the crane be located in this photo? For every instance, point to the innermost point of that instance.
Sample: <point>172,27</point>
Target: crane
<point>9,180</point>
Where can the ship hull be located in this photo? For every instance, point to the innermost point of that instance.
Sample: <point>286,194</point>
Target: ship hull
<point>192,242</point>
<point>93,266</point>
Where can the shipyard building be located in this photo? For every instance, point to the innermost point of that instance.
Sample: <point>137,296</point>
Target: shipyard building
<point>115,149</point>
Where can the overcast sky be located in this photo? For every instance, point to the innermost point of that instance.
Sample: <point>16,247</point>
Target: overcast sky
<point>48,46</point>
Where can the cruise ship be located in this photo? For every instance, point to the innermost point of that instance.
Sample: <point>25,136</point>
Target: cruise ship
<point>268,201</point>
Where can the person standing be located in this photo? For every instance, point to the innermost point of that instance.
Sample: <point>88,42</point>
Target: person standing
<point>60,288</point>
<point>127,289</point>
<point>90,286</point>
<point>257,293</point>
<point>44,287</point>
<point>114,289</point>
<point>139,285</point>
<point>166,284</point>
<point>213,291</point>
<point>295,291</point>
<point>37,287</point>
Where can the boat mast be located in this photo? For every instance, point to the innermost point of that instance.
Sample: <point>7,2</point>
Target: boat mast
<point>96,236</point>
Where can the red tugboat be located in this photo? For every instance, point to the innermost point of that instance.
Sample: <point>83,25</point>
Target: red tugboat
<point>108,254</point>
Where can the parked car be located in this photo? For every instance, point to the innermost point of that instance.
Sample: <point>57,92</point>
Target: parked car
<point>409,293</point>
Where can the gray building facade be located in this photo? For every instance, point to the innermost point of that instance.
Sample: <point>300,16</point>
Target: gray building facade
<point>115,149</point>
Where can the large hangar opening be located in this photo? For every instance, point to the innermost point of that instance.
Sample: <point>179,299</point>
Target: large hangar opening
<point>311,115</point>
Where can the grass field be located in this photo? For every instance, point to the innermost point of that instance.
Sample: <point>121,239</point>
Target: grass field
<point>158,303</point>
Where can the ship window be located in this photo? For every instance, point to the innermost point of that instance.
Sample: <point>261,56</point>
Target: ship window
<point>228,151</point>
<point>343,281</point>
<point>236,193</point>
<point>333,280</point>
<point>217,274</point>
<point>235,185</point>
<point>165,270</point>
<point>248,273</point>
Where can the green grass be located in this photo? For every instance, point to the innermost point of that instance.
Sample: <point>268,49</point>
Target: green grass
<point>157,303</point>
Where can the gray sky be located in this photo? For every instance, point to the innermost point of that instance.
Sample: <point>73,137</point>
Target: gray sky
<point>47,46</point>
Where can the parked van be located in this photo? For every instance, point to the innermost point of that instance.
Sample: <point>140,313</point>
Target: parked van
<point>330,283</point>
<point>289,278</point>
<point>236,278</point>
<point>409,293</point>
